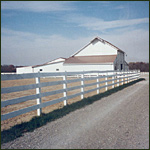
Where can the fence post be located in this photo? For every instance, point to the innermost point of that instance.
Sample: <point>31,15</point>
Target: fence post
<point>38,91</point>
<point>113,80</point>
<point>135,74</point>
<point>97,80</point>
<point>118,78</point>
<point>132,73</point>
<point>65,88</point>
<point>138,74</point>
<point>106,88</point>
<point>129,76</point>
<point>82,84</point>
<point>126,77</point>
<point>122,77</point>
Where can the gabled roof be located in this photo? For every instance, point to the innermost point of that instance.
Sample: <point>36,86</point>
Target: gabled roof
<point>102,40</point>
<point>91,59</point>
<point>60,59</point>
<point>51,62</point>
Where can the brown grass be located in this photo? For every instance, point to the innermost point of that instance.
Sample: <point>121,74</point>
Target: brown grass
<point>6,124</point>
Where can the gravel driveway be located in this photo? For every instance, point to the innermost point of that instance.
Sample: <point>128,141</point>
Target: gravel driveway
<point>119,121</point>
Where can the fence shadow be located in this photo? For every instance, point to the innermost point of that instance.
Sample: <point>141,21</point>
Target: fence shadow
<point>38,121</point>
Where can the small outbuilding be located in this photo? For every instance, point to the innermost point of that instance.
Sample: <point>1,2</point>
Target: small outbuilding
<point>51,66</point>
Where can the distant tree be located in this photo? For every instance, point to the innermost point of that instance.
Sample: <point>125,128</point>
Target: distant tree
<point>142,66</point>
<point>8,68</point>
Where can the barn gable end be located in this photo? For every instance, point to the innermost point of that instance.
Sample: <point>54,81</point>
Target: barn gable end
<point>99,54</point>
<point>98,46</point>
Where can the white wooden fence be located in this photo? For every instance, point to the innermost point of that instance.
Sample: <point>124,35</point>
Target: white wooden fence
<point>144,73</point>
<point>119,77</point>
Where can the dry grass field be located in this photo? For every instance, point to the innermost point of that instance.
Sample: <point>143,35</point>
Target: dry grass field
<point>6,124</point>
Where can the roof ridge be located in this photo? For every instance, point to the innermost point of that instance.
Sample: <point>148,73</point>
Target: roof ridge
<point>109,44</point>
<point>100,39</point>
<point>47,63</point>
<point>95,55</point>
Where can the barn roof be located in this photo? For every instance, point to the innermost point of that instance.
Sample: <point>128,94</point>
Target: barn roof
<point>90,59</point>
<point>102,40</point>
<point>51,62</point>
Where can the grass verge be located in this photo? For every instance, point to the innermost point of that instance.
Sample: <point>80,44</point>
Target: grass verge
<point>36,122</point>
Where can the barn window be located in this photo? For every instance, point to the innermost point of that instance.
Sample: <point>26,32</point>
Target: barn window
<point>41,69</point>
<point>57,69</point>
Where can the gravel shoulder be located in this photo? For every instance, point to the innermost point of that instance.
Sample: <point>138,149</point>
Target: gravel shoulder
<point>119,121</point>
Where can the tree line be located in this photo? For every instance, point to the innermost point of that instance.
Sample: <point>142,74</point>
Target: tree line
<point>142,66</point>
<point>9,68</point>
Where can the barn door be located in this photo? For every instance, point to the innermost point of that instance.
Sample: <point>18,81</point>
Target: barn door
<point>121,66</point>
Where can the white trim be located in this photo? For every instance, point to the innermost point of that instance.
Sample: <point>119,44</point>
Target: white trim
<point>48,64</point>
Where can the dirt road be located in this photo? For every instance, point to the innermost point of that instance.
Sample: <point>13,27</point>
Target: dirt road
<point>119,121</point>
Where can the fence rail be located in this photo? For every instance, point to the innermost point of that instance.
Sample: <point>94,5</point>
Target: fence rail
<point>109,76</point>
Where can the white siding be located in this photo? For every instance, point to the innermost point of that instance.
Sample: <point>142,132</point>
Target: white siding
<point>89,67</point>
<point>24,70</point>
<point>97,48</point>
<point>50,68</point>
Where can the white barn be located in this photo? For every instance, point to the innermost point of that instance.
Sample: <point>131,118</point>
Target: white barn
<point>99,54</point>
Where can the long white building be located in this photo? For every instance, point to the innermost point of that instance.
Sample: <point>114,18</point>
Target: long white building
<point>99,55</point>
<point>52,66</point>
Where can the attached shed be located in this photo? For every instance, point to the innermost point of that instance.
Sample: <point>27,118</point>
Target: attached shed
<point>51,66</point>
<point>27,69</point>
<point>97,55</point>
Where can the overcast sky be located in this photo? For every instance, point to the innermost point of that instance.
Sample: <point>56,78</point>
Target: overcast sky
<point>35,32</point>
